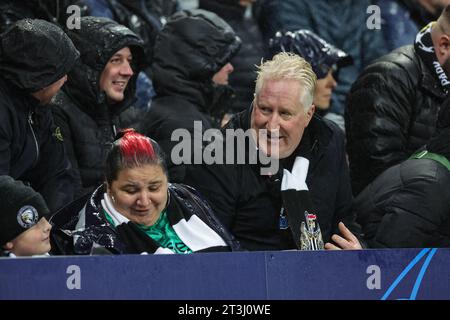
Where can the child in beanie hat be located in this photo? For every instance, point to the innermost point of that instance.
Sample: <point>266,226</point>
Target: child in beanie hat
<point>24,229</point>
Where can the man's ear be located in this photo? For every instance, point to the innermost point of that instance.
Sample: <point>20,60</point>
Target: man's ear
<point>444,45</point>
<point>8,246</point>
<point>311,111</point>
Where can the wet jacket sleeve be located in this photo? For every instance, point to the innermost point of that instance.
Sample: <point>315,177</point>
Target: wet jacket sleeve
<point>5,141</point>
<point>53,176</point>
<point>62,123</point>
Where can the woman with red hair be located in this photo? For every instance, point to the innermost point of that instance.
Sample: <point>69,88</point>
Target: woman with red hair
<point>137,210</point>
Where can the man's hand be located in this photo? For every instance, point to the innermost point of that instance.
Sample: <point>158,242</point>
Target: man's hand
<point>348,242</point>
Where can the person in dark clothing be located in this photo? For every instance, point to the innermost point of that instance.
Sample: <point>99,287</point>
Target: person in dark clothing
<point>35,57</point>
<point>325,59</point>
<point>138,211</point>
<point>143,17</point>
<point>191,68</point>
<point>408,205</point>
<point>97,99</point>
<point>242,80</point>
<point>273,209</point>
<point>392,107</point>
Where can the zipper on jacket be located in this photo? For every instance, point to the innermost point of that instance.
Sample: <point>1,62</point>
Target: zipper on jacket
<point>30,122</point>
<point>114,130</point>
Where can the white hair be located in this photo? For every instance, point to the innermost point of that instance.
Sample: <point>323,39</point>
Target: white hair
<point>289,66</point>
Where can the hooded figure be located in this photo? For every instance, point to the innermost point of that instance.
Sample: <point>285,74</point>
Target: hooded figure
<point>96,102</point>
<point>235,13</point>
<point>143,17</point>
<point>408,205</point>
<point>190,50</point>
<point>35,57</point>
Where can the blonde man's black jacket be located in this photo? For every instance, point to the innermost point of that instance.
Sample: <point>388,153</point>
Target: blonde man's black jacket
<point>249,204</point>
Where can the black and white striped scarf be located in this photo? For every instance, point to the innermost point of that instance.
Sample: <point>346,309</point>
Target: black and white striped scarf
<point>425,49</point>
<point>303,221</point>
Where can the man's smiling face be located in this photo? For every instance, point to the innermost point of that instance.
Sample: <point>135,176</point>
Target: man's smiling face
<point>114,78</point>
<point>277,108</point>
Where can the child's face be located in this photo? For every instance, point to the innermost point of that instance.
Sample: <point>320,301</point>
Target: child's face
<point>34,241</point>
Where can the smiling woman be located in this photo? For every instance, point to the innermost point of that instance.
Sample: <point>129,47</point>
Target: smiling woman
<point>138,211</point>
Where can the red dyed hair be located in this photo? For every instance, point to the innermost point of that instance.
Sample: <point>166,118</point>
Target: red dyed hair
<point>132,149</point>
<point>134,145</point>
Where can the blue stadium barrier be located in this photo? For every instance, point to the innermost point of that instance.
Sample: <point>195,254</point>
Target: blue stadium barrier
<point>282,275</point>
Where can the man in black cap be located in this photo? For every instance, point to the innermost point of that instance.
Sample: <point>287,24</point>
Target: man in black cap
<point>35,57</point>
<point>325,60</point>
<point>24,229</point>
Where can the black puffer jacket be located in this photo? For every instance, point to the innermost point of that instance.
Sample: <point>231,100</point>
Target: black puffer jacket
<point>408,206</point>
<point>88,123</point>
<point>243,78</point>
<point>33,55</point>
<point>190,49</point>
<point>391,112</point>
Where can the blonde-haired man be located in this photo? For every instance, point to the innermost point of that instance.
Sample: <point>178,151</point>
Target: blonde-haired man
<point>311,188</point>
<point>283,84</point>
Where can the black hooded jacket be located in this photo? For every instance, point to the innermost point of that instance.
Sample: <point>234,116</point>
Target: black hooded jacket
<point>243,78</point>
<point>88,123</point>
<point>33,55</point>
<point>143,17</point>
<point>190,49</point>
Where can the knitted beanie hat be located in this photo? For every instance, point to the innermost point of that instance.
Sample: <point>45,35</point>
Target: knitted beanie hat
<point>20,208</point>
